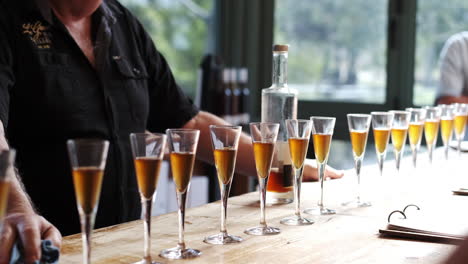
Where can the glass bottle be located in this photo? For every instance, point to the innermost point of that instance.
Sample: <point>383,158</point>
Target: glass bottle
<point>279,102</point>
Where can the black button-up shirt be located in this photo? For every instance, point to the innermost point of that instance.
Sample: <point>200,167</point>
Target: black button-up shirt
<point>49,92</point>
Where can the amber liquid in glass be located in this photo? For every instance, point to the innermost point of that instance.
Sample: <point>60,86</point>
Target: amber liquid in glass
<point>147,173</point>
<point>414,133</point>
<point>358,141</point>
<point>225,160</point>
<point>321,146</point>
<point>282,172</point>
<point>460,123</point>
<point>263,152</point>
<point>381,137</point>
<point>399,138</point>
<point>182,168</point>
<point>431,129</point>
<point>4,191</point>
<point>87,182</point>
<point>281,182</point>
<point>298,150</point>
<point>446,128</point>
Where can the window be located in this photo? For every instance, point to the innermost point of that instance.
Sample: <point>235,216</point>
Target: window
<point>338,48</point>
<point>179,30</point>
<point>436,22</point>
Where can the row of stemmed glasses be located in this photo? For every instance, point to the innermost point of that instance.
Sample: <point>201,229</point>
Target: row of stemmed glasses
<point>88,160</point>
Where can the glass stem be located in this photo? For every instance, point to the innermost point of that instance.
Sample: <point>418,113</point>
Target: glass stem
<point>398,159</point>
<point>297,189</point>
<point>446,150</point>
<point>87,223</point>
<point>181,199</point>
<point>429,150</point>
<point>262,185</point>
<point>459,145</point>
<point>415,155</point>
<point>146,205</point>
<point>321,171</point>
<point>380,160</point>
<point>357,164</point>
<point>224,199</point>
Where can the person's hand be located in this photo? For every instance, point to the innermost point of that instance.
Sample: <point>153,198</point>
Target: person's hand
<point>29,229</point>
<point>311,173</point>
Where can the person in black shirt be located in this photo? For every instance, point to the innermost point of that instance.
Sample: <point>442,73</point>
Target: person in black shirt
<point>75,69</point>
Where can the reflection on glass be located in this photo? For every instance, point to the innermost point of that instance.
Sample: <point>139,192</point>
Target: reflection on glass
<point>264,136</point>
<point>415,130</point>
<point>431,128</point>
<point>298,138</point>
<point>358,125</point>
<point>88,160</point>
<point>401,120</point>
<point>225,141</point>
<point>183,145</point>
<point>7,158</point>
<point>322,132</point>
<point>381,125</point>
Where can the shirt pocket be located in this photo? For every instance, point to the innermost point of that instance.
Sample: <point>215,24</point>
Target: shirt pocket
<point>134,78</point>
<point>62,92</point>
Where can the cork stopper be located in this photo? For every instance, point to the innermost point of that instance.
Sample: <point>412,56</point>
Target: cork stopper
<point>281,47</point>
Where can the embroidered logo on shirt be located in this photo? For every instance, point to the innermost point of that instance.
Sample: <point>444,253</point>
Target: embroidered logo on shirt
<point>38,34</point>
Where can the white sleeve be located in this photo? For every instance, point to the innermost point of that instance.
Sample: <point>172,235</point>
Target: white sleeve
<point>451,70</point>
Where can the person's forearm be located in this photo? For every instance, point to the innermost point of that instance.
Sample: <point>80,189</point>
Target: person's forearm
<point>245,160</point>
<point>18,201</point>
<point>452,99</point>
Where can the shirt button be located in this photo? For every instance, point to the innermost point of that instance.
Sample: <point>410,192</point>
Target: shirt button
<point>136,71</point>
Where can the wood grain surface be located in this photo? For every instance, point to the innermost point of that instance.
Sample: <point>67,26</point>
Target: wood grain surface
<point>350,236</point>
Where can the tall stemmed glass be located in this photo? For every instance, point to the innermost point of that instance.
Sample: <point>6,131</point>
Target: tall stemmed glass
<point>7,158</point>
<point>298,138</point>
<point>400,126</point>
<point>415,130</point>
<point>431,128</point>
<point>148,152</point>
<point>358,129</point>
<point>88,160</point>
<point>183,145</point>
<point>381,125</point>
<point>446,126</point>
<point>461,116</point>
<point>322,132</point>
<point>225,141</point>
<point>263,139</point>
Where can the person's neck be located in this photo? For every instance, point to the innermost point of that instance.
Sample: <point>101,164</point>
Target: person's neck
<point>72,11</point>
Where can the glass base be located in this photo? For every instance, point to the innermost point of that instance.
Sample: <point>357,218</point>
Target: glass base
<point>263,231</point>
<point>222,239</point>
<point>296,220</point>
<point>179,253</point>
<point>273,198</point>
<point>319,211</point>
<point>356,203</point>
<point>144,261</point>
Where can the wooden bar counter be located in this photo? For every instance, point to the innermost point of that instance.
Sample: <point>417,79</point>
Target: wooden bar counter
<point>350,236</point>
